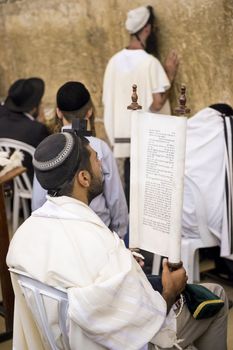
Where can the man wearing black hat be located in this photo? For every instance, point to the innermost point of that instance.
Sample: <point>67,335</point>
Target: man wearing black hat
<point>65,244</point>
<point>74,102</point>
<point>19,113</point>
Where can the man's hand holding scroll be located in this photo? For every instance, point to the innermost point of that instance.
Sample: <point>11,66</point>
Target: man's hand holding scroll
<point>173,282</point>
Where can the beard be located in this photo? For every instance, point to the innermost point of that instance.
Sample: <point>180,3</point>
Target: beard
<point>152,45</point>
<point>95,188</point>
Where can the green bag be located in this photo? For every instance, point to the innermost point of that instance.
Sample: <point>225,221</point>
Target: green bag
<point>201,302</point>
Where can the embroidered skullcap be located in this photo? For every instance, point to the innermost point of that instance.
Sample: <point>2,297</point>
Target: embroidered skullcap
<point>72,96</point>
<point>56,160</point>
<point>136,19</point>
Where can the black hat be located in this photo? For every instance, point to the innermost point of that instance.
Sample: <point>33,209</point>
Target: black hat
<point>72,96</point>
<point>56,160</point>
<point>223,108</point>
<point>25,94</point>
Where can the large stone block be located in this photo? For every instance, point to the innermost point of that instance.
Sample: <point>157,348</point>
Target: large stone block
<point>73,40</point>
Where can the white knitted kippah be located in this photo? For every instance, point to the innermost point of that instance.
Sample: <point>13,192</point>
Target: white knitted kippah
<point>136,19</point>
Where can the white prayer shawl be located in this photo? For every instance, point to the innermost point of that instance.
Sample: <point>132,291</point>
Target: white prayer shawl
<point>124,69</point>
<point>111,303</point>
<point>206,162</point>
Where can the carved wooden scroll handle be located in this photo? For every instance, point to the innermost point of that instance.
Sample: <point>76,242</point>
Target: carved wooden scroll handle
<point>134,105</point>
<point>182,109</point>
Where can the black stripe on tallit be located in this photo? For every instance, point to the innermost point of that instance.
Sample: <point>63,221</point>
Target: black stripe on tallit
<point>227,184</point>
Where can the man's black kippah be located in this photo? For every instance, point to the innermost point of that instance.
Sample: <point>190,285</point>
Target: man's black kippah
<point>56,159</point>
<point>72,96</point>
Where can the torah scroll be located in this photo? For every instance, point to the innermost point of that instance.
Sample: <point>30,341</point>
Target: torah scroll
<point>156,183</point>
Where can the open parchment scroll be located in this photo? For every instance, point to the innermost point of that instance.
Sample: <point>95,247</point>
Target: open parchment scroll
<point>156,183</point>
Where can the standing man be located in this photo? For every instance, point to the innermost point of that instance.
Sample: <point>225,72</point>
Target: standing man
<point>19,115</point>
<point>74,102</point>
<point>133,65</point>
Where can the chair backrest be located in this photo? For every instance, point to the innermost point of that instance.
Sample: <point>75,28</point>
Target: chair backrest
<point>37,296</point>
<point>206,235</point>
<point>22,182</point>
<point>8,144</point>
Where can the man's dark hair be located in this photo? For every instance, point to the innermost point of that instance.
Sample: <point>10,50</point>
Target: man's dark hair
<point>152,40</point>
<point>152,18</point>
<point>151,46</point>
<point>78,114</point>
<point>83,164</point>
<point>64,191</point>
<point>223,108</point>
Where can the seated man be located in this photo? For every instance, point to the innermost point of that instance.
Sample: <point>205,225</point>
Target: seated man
<point>209,164</point>
<point>74,102</point>
<point>19,113</point>
<point>111,303</point>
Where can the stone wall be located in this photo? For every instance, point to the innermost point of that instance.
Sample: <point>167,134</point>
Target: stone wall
<point>73,40</point>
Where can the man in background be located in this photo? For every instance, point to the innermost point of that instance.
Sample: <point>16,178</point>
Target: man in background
<point>208,177</point>
<point>134,65</point>
<point>74,103</point>
<point>19,115</point>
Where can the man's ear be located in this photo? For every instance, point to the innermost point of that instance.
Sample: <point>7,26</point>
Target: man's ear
<point>59,113</point>
<point>84,178</point>
<point>147,29</point>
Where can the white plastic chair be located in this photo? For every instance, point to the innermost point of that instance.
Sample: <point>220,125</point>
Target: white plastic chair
<point>190,246</point>
<point>35,294</point>
<point>22,184</point>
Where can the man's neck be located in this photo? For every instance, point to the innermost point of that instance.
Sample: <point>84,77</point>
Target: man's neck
<point>80,193</point>
<point>81,198</point>
<point>136,43</point>
<point>65,122</point>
